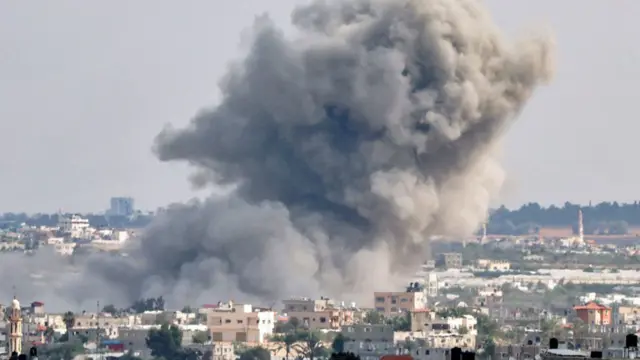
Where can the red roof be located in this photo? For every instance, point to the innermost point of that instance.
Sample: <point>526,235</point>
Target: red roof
<point>591,305</point>
<point>210,306</point>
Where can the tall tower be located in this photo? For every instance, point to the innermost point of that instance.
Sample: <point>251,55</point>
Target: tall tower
<point>15,327</point>
<point>580,227</point>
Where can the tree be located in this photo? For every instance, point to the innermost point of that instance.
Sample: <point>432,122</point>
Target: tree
<point>200,337</point>
<point>338,344</point>
<point>287,341</point>
<point>311,344</point>
<point>69,319</point>
<point>374,318</point>
<point>256,353</point>
<point>400,322</point>
<point>187,310</point>
<point>165,342</point>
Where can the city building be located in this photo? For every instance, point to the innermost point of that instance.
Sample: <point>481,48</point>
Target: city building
<point>121,206</point>
<point>370,342</point>
<point>320,314</point>
<point>14,330</point>
<point>593,313</point>
<point>493,265</point>
<point>393,303</point>
<point>230,322</point>
<point>450,260</point>
<point>74,224</point>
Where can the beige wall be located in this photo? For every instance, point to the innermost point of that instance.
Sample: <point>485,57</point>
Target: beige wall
<point>393,303</point>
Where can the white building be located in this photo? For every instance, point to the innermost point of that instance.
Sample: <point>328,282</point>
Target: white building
<point>370,342</point>
<point>74,225</point>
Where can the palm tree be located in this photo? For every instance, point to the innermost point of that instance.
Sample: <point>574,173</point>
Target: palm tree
<point>287,340</point>
<point>311,344</point>
<point>69,319</point>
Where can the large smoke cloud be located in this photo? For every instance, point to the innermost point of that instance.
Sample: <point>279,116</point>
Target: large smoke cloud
<point>347,147</point>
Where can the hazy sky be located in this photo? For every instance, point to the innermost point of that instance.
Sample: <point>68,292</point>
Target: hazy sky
<point>86,85</point>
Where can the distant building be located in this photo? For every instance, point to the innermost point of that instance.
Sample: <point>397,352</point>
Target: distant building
<point>393,303</point>
<point>121,206</point>
<point>370,342</point>
<point>239,322</point>
<point>493,265</point>
<point>74,225</point>
<point>450,260</point>
<point>321,314</point>
<point>594,314</point>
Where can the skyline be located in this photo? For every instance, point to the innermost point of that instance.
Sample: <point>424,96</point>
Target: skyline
<point>149,67</point>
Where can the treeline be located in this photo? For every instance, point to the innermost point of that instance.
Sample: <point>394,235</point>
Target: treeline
<point>603,218</point>
<point>8,220</point>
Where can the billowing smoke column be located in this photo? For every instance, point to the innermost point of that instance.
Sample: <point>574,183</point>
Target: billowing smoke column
<point>347,148</point>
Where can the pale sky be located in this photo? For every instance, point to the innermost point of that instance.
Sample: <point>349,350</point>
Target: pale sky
<point>86,85</point>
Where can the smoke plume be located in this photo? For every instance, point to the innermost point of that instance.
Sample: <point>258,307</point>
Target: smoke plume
<point>346,147</point>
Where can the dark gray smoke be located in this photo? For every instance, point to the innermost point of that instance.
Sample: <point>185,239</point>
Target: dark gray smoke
<point>347,147</point>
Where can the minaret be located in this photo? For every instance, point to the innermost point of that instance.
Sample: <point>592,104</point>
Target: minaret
<point>15,327</point>
<point>580,227</point>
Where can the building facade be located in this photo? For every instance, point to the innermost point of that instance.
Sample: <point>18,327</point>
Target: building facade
<point>321,314</point>
<point>370,342</point>
<point>15,328</point>
<point>121,206</point>
<point>239,322</point>
<point>394,303</point>
<point>594,314</point>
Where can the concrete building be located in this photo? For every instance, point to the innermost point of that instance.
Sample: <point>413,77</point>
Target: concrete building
<point>394,303</point>
<point>121,206</point>
<point>594,314</point>
<point>493,265</point>
<point>321,314</point>
<point>450,260</point>
<point>370,342</point>
<point>239,322</point>
<point>443,332</point>
<point>74,225</point>
<point>14,330</point>
<point>223,351</point>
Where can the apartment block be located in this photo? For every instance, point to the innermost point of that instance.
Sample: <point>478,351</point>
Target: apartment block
<point>370,342</point>
<point>394,303</point>
<point>323,314</point>
<point>239,322</point>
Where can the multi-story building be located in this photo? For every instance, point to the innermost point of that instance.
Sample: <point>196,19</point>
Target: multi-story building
<point>593,313</point>
<point>239,322</point>
<point>370,342</point>
<point>394,303</point>
<point>74,225</point>
<point>319,314</point>
<point>444,332</point>
<point>121,206</point>
<point>450,260</point>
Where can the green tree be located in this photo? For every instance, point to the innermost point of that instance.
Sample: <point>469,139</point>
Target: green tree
<point>400,322</point>
<point>374,318</point>
<point>69,319</point>
<point>200,337</point>
<point>165,342</point>
<point>187,310</point>
<point>256,353</point>
<point>287,341</point>
<point>338,344</point>
<point>310,344</point>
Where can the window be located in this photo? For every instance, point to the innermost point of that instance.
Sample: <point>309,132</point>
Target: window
<point>426,352</point>
<point>380,299</point>
<point>227,321</point>
<point>239,321</point>
<point>404,300</point>
<point>394,309</point>
<point>323,319</point>
<point>367,329</point>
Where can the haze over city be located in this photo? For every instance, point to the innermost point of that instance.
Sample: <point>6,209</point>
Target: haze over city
<point>326,179</point>
<point>86,87</point>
